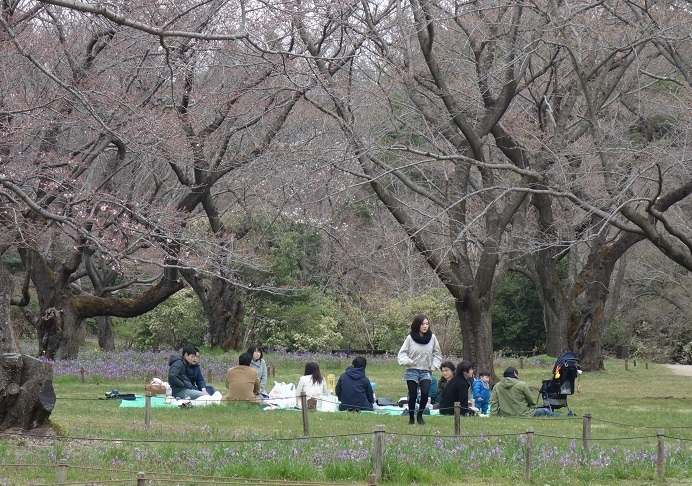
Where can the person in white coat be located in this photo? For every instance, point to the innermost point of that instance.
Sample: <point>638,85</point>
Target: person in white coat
<point>313,384</point>
<point>420,354</point>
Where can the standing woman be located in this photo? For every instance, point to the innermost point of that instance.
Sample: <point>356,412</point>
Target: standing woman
<point>420,354</point>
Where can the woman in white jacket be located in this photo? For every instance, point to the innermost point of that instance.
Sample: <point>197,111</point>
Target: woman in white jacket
<point>420,354</point>
<point>313,384</point>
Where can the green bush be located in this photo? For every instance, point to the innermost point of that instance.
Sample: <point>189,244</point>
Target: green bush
<point>175,322</point>
<point>305,324</point>
<point>391,325</point>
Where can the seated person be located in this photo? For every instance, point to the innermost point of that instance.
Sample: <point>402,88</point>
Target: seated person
<point>457,390</point>
<point>447,368</point>
<point>242,381</point>
<point>313,384</point>
<point>511,397</point>
<point>354,389</point>
<point>181,386</point>
<point>194,373</point>
<point>259,364</point>
<point>434,385</point>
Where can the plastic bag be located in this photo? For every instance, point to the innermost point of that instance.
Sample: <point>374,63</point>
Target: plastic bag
<point>283,395</point>
<point>327,403</point>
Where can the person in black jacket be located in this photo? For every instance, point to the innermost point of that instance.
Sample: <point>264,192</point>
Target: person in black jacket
<point>354,389</point>
<point>181,385</point>
<point>457,390</point>
<point>194,372</point>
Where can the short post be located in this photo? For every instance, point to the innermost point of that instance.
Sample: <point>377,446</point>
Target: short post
<point>209,376</point>
<point>586,430</point>
<point>304,409</point>
<point>646,365</point>
<point>626,364</point>
<point>147,409</point>
<point>521,362</point>
<point>378,453</point>
<point>372,480</point>
<point>457,418</point>
<point>141,479</point>
<point>62,471</point>
<point>661,459</point>
<point>528,454</point>
<point>81,374</point>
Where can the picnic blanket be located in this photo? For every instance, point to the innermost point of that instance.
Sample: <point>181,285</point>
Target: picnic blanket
<point>160,401</point>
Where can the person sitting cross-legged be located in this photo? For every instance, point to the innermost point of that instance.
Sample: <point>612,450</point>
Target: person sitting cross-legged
<point>511,397</point>
<point>242,381</point>
<point>354,389</point>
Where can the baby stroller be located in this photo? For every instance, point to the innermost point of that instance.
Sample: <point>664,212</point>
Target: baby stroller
<point>555,390</point>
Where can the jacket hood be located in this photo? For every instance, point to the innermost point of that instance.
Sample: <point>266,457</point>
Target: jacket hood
<point>508,382</point>
<point>174,357</point>
<point>355,373</point>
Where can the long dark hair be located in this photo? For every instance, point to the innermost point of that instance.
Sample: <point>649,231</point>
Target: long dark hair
<point>417,321</point>
<point>313,369</point>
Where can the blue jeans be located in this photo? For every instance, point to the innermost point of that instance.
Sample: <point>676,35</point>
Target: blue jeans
<point>545,412</point>
<point>412,374</point>
<point>188,393</point>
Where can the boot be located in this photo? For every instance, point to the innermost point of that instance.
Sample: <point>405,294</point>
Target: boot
<point>419,417</point>
<point>410,417</point>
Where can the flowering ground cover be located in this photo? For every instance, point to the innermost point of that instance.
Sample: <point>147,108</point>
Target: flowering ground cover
<point>101,441</point>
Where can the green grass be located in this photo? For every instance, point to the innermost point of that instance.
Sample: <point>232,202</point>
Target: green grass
<point>237,440</point>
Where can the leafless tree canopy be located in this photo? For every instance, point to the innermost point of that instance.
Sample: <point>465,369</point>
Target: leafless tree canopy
<point>500,136</point>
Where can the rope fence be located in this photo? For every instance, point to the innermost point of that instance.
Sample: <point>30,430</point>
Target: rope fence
<point>140,478</point>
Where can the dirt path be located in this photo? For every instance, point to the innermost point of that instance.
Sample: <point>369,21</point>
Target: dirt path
<point>678,369</point>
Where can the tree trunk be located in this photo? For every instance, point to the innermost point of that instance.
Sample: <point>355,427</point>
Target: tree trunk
<point>223,307</point>
<point>58,332</point>
<point>104,332</point>
<point>26,391</point>
<point>589,296</point>
<point>8,343</point>
<point>476,332</point>
<point>552,296</point>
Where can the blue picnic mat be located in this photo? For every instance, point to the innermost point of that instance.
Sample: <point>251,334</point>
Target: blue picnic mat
<point>139,402</point>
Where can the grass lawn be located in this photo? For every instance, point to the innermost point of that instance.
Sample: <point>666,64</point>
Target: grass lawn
<point>101,441</point>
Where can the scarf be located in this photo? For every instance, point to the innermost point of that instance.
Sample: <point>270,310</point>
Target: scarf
<point>424,339</point>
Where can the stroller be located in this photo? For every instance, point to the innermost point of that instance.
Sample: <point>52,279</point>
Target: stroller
<point>555,390</point>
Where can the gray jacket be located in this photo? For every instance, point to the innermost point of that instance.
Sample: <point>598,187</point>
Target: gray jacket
<point>417,356</point>
<point>261,366</point>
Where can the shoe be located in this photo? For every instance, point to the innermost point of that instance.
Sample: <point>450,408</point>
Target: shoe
<point>419,418</point>
<point>410,418</point>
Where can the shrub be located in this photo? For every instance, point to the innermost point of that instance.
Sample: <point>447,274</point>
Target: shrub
<point>178,321</point>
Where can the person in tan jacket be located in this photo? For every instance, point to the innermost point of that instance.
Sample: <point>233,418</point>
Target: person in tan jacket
<point>242,381</point>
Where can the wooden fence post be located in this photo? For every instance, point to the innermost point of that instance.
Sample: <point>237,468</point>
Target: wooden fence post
<point>586,431</point>
<point>457,418</point>
<point>661,459</point>
<point>378,453</point>
<point>209,376</point>
<point>521,362</point>
<point>62,471</point>
<point>304,409</point>
<point>141,479</point>
<point>372,481</point>
<point>626,364</point>
<point>147,409</point>
<point>528,454</point>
